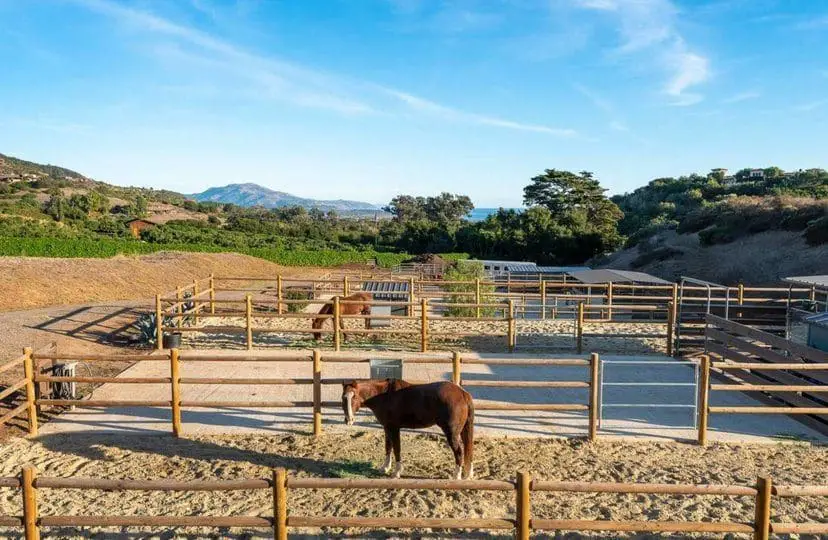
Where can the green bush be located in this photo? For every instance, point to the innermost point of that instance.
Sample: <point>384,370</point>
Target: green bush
<point>297,294</point>
<point>467,272</point>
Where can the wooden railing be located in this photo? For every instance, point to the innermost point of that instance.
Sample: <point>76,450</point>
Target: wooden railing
<point>286,514</point>
<point>316,361</point>
<point>424,312</point>
<point>791,377</point>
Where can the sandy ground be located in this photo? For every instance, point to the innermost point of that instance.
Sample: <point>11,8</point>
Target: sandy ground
<point>532,335</point>
<point>356,453</point>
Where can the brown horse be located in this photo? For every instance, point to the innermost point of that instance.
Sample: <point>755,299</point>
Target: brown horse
<point>363,308</point>
<point>398,404</point>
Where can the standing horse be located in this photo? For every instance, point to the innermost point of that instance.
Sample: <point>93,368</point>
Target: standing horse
<point>398,404</point>
<point>363,308</point>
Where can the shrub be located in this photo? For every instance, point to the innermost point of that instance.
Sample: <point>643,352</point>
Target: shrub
<point>296,294</point>
<point>466,272</point>
<point>817,232</point>
<point>147,328</point>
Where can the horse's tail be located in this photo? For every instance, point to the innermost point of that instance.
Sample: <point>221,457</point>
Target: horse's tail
<point>319,322</point>
<point>467,436</point>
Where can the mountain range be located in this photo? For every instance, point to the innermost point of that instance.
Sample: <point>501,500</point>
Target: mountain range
<point>255,195</point>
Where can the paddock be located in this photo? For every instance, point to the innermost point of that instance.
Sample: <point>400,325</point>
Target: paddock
<point>518,395</point>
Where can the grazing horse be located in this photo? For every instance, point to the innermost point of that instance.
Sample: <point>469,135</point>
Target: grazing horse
<point>344,309</point>
<point>398,404</point>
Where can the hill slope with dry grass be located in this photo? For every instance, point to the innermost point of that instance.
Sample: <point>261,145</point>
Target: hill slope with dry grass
<point>756,259</point>
<point>32,282</point>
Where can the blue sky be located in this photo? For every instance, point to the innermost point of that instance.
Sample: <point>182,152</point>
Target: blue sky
<point>366,99</point>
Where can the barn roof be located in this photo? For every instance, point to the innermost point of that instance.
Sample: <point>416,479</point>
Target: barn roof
<point>385,287</point>
<point>817,281</point>
<point>606,275</point>
<point>533,269</point>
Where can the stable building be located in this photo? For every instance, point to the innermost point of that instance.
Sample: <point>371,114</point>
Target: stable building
<point>387,291</point>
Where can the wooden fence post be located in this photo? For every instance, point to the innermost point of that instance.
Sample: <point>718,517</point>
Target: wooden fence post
<point>543,299</point>
<point>609,300</point>
<point>179,302</point>
<point>477,299</point>
<point>411,297</point>
<point>761,524</point>
<point>345,286</point>
<point>741,293</point>
<point>704,398</point>
<point>31,402</point>
<point>511,322</point>
<point>594,363</point>
<point>159,324</point>
<point>175,392</point>
<point>212,295</point>
<point>423,324</point>
<point>249,320</point>
<point>337,313</point>
<point>671,322</point>
<point>279,294</point>
<point>30,527</point>
<point>579,328</point>
<point>317,392</point>
<point>195,302</point>
<point>523,506</point>
<point>455,367</point>
<point>280,504</point>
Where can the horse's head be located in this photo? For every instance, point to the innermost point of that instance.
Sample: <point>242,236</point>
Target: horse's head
<point>351,401</point>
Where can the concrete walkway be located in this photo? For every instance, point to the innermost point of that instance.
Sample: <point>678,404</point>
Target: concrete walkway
<point>663,421</point>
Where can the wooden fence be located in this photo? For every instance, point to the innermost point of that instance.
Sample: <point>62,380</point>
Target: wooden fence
<point>791,378</point>
<point>522,522</point>
<point>178,314</point>
<point>682,311</point>
<point>316,361</point>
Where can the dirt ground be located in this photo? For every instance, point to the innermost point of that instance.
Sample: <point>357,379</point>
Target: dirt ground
<point>31,282</point>
<point>92,303</point>
<point>532,335</point>
<point>357,453</point>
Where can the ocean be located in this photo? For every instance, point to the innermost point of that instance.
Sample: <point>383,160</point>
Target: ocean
<point>479,214</point>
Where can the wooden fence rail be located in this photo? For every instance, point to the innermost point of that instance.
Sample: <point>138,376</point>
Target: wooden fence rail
<point>586,316</point>
<point>316,360</point>
<point>763,365</point>
<point>523,521</point>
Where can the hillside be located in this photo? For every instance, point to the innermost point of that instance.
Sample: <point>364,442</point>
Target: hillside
<point>758,259</point>
<point>255,195</point>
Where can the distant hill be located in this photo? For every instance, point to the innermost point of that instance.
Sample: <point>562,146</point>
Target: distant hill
<point>255,195</point>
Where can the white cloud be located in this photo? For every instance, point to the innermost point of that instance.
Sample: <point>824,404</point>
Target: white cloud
<point>812,106</point>
<point>689,69</point>
<point>649,27</point>
<point>449,113</point>
<point>286,81</point>
<point>744,96</point>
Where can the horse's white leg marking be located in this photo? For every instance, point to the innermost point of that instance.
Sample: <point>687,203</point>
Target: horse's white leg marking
<point>386,467</point>
<point>349,414</point>
<point>471,472</point>
<point>458,472</point>
<point>398,469</point>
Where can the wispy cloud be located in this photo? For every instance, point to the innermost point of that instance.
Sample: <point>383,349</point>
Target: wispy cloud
<point>604,105</point>
<point>744,96</point>
<point>289,82</point>
<point>650,27</point>
<point>811,106</point>
<point>449,113</point>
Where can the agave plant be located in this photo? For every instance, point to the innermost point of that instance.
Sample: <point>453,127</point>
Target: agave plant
<point>147,328</point>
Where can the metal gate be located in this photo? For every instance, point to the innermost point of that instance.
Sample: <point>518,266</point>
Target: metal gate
<point>637,365</point>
